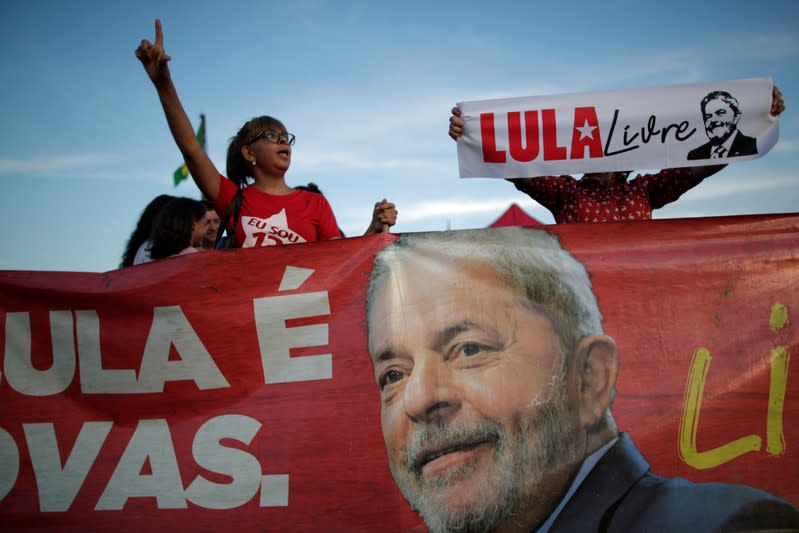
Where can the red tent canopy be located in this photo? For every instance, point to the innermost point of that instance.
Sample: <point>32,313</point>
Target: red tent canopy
<point>515,216</point>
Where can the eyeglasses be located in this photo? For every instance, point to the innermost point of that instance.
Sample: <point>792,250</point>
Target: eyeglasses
<point>276,137</point>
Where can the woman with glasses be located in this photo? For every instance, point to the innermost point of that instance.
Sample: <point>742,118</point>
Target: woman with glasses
<point>268,210</point>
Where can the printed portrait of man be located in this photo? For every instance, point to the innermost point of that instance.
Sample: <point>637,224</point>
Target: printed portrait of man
<point>496,382</point>
<point>720,114</point>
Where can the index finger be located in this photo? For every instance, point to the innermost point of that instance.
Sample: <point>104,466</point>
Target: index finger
<point>159,34</point>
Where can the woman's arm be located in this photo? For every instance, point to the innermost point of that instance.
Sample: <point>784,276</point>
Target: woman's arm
<point>202,169</point>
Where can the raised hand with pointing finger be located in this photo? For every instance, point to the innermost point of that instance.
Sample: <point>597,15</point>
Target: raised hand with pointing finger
<point>153,56</point>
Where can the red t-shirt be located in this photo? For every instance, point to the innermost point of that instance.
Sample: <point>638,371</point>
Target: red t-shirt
<point>572,200</point>
<point>268,219</point>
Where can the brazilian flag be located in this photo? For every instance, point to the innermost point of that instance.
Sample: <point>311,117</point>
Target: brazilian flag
<point>182,172</point>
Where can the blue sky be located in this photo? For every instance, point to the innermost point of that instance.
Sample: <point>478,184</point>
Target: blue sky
<point>366,87</point>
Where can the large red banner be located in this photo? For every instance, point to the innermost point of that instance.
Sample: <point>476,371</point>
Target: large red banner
<point>234,389</point>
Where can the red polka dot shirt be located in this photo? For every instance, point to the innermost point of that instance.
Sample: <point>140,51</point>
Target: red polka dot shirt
<point>588,200</point>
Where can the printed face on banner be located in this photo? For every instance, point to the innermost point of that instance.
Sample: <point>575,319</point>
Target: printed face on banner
<point>720,120</point>
<point>721,113</point>
<point>474,414</point>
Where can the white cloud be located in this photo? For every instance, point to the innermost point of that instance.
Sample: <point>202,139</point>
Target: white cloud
<point>681,63</point>
<point>770,45</point>
<point>462,206</point>
<point>46,166</point>
<point>721,186</point>
<point>786,146</point>
<point>323,162</point>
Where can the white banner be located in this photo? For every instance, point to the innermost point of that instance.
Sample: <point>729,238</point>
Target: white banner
<point>653,128</point>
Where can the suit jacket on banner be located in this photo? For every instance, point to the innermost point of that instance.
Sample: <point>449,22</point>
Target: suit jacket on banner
<point>741,145</point>
<point>621,495</point>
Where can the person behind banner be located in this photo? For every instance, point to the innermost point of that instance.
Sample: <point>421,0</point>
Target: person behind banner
<point>720,115</point>
<point>610,196</point>
<point>212,226</point>
<point>178,229</point>
<point>270,211</point>
<point>496,381</point>
<point>137,250</point>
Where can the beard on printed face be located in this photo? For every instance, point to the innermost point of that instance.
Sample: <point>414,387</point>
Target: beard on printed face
<point>513,478</point>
